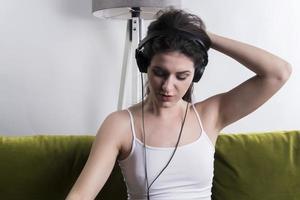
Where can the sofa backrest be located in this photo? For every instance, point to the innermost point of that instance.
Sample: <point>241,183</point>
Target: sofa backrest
<point>41,167</point>
<point>258,166</point>
<point>247,167</point>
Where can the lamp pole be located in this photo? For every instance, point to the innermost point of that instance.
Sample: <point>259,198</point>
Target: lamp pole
<point>133,37</point>
<point>135,11</point>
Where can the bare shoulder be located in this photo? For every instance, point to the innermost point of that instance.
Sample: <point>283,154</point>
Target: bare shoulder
<point>208,110</point>
<point>114,118</point>
<point>115,125</point>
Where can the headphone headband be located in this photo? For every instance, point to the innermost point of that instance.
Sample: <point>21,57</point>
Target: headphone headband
<point>185,34</point>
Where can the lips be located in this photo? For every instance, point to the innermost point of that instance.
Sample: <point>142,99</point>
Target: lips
<point>166,97</point>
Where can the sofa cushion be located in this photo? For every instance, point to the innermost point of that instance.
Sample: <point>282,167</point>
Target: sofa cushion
<point>46,167</point>
<point>259,166</point>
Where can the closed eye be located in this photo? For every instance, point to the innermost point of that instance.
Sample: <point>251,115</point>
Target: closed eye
<point>182,76</point>
<point>160,72</point>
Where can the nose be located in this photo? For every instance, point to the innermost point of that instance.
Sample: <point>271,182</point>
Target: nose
<point>168,84</point>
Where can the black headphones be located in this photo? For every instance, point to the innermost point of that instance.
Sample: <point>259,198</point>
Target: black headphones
<point>143,61</point>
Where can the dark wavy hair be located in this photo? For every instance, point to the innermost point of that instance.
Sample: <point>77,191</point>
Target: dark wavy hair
<point>176,19</point>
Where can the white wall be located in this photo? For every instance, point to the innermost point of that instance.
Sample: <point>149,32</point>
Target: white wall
<point>60,66</point>
<point>269,24</point>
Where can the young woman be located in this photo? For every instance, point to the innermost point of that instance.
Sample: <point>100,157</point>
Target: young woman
<point>165,144</point>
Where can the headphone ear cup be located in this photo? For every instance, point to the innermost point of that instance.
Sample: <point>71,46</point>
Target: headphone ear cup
<point>141,60</point>
<point>199,69</point>
<point>198,73</point>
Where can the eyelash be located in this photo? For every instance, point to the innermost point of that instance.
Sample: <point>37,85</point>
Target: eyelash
<point>160,73</point>
<point>181,78</point>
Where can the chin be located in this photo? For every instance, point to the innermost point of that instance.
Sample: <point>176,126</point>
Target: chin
<point>166,103</point>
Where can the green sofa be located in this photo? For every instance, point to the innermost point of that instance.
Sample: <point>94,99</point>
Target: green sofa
<point>256,166</point>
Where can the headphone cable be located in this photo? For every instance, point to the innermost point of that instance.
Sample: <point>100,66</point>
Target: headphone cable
<point>144,141</point>
<point>145,162</point>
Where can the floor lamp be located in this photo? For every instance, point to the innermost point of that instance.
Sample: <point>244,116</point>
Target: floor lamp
<point>134,11</point>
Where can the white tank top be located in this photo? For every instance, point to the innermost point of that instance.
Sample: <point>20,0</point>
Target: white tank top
<point>188,176</point>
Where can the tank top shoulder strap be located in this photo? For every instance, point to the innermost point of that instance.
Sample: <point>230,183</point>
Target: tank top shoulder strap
<point>133,138</point>
<point>132,124</point>
<point>202,129</point>
<point>198,117</point>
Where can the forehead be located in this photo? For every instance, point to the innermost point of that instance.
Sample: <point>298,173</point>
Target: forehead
<point>172,61</point>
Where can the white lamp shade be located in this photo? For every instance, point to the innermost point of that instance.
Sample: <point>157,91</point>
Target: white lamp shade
<point>120,9</point>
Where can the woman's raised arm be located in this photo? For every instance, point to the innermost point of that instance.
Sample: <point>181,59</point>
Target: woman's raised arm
<point>271,74</point>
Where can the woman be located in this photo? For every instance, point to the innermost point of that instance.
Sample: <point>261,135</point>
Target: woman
<point>165,144</point>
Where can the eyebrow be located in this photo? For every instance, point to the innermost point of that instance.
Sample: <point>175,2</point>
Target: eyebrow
<point>181,72</point>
